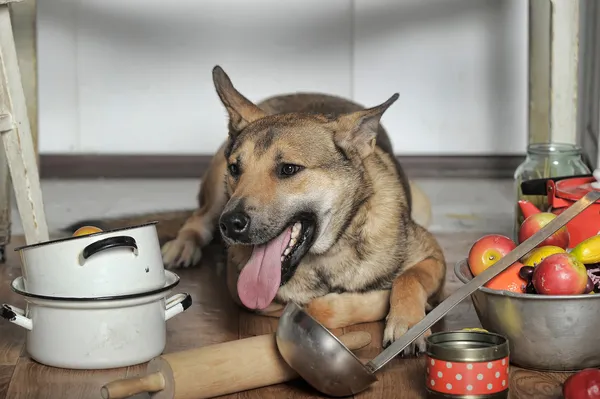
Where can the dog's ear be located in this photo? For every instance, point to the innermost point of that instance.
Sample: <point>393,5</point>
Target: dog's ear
<point>357,131</point>
<point>241,110</point>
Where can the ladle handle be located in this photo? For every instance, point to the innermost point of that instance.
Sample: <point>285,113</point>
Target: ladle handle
<point>447,305</point>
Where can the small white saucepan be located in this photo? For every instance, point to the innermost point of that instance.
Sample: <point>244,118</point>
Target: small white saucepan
<point>96,333</point>
<point>108,263</point>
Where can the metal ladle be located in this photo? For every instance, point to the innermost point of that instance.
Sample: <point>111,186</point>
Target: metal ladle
<point>326,364</point>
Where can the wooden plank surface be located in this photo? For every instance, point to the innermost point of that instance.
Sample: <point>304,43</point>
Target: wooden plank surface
<point>214,318</point>
<point>6,373</point>
<point>12,337</point>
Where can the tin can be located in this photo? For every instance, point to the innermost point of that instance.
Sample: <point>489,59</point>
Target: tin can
<point>467,365</point>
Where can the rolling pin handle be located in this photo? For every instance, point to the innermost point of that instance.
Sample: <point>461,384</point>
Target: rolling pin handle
<point>132,386</point>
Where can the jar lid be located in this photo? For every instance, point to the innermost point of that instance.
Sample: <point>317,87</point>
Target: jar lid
<point>574,189</point>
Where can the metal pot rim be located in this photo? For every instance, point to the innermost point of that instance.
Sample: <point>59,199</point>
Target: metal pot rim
<point>172,280</point>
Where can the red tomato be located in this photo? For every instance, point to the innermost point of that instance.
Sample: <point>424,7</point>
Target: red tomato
<point>584,384</point>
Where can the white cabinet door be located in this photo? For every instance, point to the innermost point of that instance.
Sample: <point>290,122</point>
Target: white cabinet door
<point>58,103</point>
<point>135,76</point>
<point>460,67</point>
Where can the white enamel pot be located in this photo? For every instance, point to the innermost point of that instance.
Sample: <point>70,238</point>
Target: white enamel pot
<point>108,263</point>
<point>96,333</point>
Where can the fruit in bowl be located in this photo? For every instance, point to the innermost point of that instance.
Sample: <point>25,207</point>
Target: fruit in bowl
<point>547,270</point>
<point>560,274</point>
<point>488,250</point>
<point>588,250</point>
<point>536,256</point>
<point>536,222</point>
<point>509,280</point>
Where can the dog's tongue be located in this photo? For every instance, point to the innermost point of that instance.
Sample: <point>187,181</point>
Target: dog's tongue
<point>259,280</point>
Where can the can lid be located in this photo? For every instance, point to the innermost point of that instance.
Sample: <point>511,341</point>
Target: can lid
<point>574,189</point>
<point>467,346</point>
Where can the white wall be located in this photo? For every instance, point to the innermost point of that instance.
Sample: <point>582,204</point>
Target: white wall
<point>135,76</point>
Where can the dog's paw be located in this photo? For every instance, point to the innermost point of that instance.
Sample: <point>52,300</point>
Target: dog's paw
<point>397,326</point>
<point>181,252</point>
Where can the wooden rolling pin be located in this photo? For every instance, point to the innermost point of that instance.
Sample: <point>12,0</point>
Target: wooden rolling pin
<point>216,370</point>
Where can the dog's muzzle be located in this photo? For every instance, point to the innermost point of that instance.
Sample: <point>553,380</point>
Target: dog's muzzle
<point>235,225</point>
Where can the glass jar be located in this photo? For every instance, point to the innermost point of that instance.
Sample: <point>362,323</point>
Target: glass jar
<point>545,160</point>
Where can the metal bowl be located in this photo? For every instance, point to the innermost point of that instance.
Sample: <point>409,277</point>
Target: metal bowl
<point>545,332</point>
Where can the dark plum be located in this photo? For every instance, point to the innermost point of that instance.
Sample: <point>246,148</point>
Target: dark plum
<point>529,288</point>
<point>594,276</point>
<point>526,272</point>
<point>589,287</point>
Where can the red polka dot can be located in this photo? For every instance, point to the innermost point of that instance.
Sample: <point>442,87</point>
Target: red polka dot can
<point>467,365</point>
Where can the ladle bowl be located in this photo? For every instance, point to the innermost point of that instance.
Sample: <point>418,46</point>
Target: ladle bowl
<point>318,356</point>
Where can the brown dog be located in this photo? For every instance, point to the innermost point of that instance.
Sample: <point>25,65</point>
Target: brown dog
<point>314,208</point>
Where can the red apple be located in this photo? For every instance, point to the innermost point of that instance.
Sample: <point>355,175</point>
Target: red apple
<point>560,274</point>
<point>536,222</point>
<point>584,384</point>
<point>488,250</point>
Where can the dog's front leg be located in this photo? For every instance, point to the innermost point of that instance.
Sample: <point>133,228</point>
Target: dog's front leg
<point>346,309</point>
<point>409,300</point>
<point>186,249</point>
<point>342,310</point>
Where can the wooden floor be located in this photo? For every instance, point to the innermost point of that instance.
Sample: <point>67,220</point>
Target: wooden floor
<point>213,318</point>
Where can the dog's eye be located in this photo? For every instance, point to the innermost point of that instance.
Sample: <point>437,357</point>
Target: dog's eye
<point>288,169</point>
<point>234,170</point>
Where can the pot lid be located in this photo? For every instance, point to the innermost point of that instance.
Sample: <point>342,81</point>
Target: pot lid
<point>72,238</point>
<point>574,189</point>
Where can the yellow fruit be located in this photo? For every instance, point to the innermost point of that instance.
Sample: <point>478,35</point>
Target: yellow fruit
<point>537,255</point>
<point>588,250</point>
<point>475,329</point>
<point>82,231</point>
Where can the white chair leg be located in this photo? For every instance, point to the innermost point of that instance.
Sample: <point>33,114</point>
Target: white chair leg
<point>5,201</point>
<point>16,137</point>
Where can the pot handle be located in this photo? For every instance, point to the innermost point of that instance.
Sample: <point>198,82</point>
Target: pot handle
<point>107,243</point>
<point>538,186</point>
<point>177,304</point>
<point>14,315</point>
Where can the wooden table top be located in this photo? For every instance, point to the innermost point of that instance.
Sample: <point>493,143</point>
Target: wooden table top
<point>214,318</point>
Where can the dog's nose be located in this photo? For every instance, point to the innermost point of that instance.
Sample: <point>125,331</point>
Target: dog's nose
<point>235,225</point>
